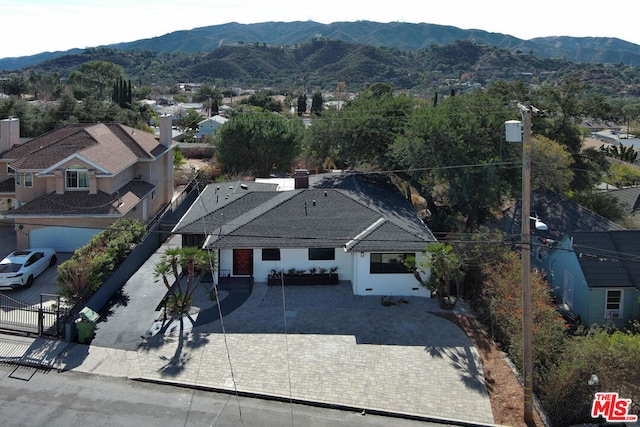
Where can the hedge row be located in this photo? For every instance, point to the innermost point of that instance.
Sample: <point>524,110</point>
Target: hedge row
<point>81,275</point>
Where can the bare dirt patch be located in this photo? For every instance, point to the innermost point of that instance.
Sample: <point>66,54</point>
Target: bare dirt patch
<point>505,391</point>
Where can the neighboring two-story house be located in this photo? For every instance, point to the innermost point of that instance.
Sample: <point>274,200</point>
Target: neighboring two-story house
<point>70,183</point>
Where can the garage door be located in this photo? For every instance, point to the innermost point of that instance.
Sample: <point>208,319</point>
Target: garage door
<point>62,239</point>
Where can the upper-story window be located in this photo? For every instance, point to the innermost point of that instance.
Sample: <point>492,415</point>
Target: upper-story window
<point>77,177</point>
<point>28,179</point>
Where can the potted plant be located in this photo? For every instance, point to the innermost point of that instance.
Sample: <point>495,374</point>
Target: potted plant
<point>274,278</point>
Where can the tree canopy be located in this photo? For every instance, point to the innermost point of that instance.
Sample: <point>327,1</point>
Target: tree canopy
<point>258,143</point>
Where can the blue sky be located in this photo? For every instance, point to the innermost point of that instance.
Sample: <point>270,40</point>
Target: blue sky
<point>33,26</point>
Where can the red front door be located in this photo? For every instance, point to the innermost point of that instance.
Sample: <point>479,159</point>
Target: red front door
<point>243,262</point>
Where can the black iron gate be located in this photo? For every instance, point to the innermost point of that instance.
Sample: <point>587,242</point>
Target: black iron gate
<point>45,318</point>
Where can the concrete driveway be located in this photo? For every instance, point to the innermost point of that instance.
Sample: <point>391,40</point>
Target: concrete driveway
<point>43,284</point>
<point>324,345</point>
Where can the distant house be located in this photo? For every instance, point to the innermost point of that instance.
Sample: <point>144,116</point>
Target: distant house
<point>580,257</point>
<point>70,183</point>
<point>361,225</point>
<point>210,126</point>
<point>559,213</point>
<point>627,198</point>
<point>594,125</point>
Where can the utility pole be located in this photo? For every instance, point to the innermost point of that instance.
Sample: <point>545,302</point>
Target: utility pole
<point>523,134</point>
<point>527,318</point>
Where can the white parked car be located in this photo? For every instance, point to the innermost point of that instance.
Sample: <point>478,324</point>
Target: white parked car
<point>19,268</point>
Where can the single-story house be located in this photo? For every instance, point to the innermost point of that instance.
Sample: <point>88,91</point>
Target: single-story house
<point>571,255</point>
<point>70,183</point>
<point>597,274</point>
<point>359,225</point>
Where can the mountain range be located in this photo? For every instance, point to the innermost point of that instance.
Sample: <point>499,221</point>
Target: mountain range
<point>400,35</point>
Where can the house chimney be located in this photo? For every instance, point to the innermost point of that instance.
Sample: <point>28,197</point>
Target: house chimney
<point>301,178</point>
<point>166,137</point>
<point>9,133</point>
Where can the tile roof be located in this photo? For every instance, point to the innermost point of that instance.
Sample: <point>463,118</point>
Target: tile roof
<point>80,203</point>
<point>362,213</point>
<point>112,147</point>
<point>609,259</point>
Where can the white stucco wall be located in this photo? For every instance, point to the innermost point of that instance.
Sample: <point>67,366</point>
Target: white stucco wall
<point>290,258</point>
<point>365,283</point>
<point>353,266</point>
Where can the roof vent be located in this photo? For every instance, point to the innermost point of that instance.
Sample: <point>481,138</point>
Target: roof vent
<point>244,186</point>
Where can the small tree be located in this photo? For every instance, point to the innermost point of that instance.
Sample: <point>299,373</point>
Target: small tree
<point>316,104</point>
<point>445,266</point>
<point>302,104</point>
<point>188,267</point>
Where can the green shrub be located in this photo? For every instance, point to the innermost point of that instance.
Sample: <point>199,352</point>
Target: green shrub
<point>87,269</point>
<point>613,357</point>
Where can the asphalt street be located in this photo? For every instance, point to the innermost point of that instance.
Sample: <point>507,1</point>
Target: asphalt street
<point>32,397</point>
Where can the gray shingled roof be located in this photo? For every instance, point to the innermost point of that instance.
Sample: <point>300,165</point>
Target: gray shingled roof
<point>561,216</point>
<point>609,259</point>
<point>363,212</point>
<point>222,202</point>
<point>628,198</point>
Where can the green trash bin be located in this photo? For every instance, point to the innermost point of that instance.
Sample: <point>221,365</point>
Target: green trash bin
<point>86,325</point>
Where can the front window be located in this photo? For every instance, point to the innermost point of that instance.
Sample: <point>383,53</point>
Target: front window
<point>614,304</point>
<point>271,254</point>
<point>77,178</point>
<point>28,179</point>
<point>382,263</point>
<point>322,254</point>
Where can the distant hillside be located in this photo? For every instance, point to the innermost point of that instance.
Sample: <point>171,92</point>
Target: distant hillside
<point>393,35</point>
<point>320,64</point>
